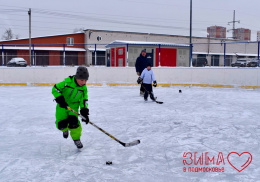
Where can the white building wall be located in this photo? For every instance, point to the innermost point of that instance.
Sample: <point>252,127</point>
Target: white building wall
<point>109,36</point>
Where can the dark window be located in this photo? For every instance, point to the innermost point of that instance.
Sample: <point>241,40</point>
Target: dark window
<point>41,58</point>
<point>215,60</point>
<point>8,55</point>
<point>201,56</point>
<point>71,58</point>
<point>150,57</point>
<point>228,60</point>
<point>100,58</point>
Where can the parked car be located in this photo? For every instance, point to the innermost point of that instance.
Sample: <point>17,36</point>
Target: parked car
<point>199,62</point>
<point>252,63</point>
<point>17,62</point>
<point>240,63</point>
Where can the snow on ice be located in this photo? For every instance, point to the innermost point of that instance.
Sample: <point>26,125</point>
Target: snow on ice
<point>198,120</point>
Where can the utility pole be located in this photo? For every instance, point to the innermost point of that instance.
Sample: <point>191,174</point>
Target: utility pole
<point>190,33</point>
<point>30,41</point>
<point>234,22</point>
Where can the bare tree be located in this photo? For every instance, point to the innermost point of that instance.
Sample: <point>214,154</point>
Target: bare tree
<point>8,34</point>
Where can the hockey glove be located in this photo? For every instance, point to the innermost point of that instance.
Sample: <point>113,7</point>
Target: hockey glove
<point>61,101</point>
<point>139,80</point>
<point>85,112</point>
<point>155,83</point>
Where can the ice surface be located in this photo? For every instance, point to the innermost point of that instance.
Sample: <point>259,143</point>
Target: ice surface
<point>196,120</point>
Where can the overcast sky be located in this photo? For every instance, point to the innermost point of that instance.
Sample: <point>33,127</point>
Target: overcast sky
<point>51,17</point>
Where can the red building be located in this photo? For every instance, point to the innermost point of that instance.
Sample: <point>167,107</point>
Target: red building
<point>124,53</point>
<point>48,50</point>
<point>216,32</point>
<point>242,34</point>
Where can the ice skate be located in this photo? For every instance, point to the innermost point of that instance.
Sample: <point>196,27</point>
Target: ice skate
<point>78,144</point>
<point>66,134</point>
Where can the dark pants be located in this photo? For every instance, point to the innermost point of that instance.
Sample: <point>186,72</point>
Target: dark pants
<point>148,90</point>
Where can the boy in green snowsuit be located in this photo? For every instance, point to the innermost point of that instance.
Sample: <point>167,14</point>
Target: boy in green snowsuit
<point>72,92</point>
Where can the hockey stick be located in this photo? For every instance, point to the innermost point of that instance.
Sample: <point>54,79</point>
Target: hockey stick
<point>158,102</point>
<point>136,142</point>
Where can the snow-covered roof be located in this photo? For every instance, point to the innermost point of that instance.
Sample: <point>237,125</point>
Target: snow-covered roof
<point>222,54</point>
<point>97,49</point>
<point>25,38</point>
<point>214,53</point>
<point>44,48</point>
<point>124,42</point>
<point>243,54</point>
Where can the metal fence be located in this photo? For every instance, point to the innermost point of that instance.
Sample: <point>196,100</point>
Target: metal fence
<point>211,53</point>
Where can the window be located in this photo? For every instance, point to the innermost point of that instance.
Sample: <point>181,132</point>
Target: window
<point>71,58</point>
<point>201,56</point>
<point>215,60</point>
<point>99,38</point>
<point>101,58</point>
<point>70,41</point>
<point>120,51</point>
<point>228,61</point>
<point>120,62</point>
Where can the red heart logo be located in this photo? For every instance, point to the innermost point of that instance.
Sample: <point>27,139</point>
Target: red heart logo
<point>247,156</point>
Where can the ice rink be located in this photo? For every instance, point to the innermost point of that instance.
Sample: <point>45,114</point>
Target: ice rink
<point>213,120</point>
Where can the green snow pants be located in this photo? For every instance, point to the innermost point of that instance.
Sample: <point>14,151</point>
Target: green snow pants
<point>67,120</point>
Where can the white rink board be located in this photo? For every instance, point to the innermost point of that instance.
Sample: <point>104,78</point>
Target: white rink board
<point>164,75</point>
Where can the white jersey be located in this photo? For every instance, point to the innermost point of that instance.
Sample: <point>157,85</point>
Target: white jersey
<point>147,76</point>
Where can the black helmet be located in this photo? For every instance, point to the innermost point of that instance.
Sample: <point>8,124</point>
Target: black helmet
<point>82,73</point>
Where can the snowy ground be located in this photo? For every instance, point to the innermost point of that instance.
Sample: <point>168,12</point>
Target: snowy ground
<point>196,120</point>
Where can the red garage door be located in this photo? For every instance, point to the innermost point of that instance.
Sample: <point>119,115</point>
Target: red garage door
<point>120,56</point>
<point>168,57</point>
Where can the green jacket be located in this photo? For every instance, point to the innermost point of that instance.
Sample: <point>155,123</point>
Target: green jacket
<point>74,94</point>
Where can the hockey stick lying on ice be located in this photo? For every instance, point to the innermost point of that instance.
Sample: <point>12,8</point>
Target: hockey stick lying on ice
<point>122,143</point>
<point>158,102</point>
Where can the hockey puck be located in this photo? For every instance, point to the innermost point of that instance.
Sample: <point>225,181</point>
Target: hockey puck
<point>179,91</point>
<point>109,163</point>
